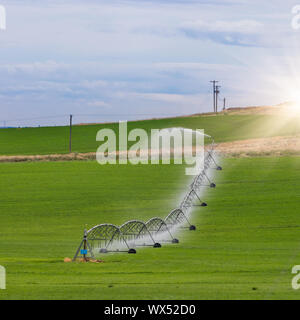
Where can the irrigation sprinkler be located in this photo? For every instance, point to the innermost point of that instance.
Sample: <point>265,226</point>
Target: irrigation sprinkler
<point>177,217</point>
<point>103,238</point>
<point>211,184</point>
<point>108,238</point>
<point>84,248</point>
<point>199,181</point>
<point>158,228</point>
<point>136,233</point>
<point>210,157</point>
<point>188,201</point>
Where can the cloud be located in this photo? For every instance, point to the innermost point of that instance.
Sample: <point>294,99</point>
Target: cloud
<point>45,67</point>
<point>241,32</point>
<point>98,104</point>
<point>196,66</point>
<point>163,97</point>
<point>168,99</point>
<point>241,26</point>
<point>138,56</point>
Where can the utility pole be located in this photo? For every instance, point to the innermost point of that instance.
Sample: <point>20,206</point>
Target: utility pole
<point>70,143</point>
<point>214,82</point>
<point>217,96</point>
<point>224,104</point>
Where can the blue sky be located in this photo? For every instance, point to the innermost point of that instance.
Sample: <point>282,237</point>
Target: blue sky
<point>111,60</point>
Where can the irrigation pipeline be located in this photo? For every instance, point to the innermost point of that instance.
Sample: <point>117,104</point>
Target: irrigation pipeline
<point>107,237</point>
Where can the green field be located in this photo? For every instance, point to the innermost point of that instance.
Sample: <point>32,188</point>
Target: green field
<point>49,140</point>
<point>245,245</point>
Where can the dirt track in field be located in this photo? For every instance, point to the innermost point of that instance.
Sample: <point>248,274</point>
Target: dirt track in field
<point>263,146</point>
<point>50,157</point>
<point>289,145</point>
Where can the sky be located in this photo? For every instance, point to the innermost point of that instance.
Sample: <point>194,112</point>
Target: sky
<point>135,59</point>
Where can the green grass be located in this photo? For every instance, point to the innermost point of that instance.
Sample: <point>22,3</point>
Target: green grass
<point>49,140</point>
<point>245,245</point>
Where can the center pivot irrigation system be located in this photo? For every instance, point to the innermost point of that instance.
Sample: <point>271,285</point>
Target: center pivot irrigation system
<point>105,238</point>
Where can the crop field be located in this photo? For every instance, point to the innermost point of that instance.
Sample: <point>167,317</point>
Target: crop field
<point>245,245</point>
<point>224,128</point>
<point>150,151</point>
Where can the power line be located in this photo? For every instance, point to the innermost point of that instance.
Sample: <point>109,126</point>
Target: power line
<point>214,82</point>
<point>92,115</point>
<point>217,96</point>
<point>70,141</point>
<point>126,114</point>
<point>35,118</point>
<point>101,114</point>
